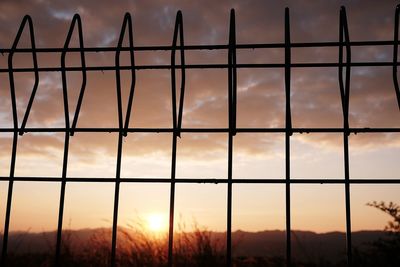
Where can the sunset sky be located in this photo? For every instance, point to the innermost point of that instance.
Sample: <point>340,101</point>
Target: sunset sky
<point>315,99</point>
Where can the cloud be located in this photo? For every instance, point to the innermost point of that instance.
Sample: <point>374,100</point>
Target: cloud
<point>261,103</point>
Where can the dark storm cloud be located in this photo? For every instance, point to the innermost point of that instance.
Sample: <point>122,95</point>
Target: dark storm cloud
<point>315,93</point>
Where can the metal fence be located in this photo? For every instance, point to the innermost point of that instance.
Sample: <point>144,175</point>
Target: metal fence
<point>343,65</point>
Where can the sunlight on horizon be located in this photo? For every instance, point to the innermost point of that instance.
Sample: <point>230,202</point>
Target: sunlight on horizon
<point>157,222</point>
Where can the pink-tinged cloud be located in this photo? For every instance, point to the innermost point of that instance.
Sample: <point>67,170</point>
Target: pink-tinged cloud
<point>261,103</point>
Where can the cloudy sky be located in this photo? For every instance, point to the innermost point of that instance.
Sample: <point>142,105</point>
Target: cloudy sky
<point>315,99</point>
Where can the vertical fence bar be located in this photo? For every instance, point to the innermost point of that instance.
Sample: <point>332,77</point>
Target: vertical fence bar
<point>177,123</point>
<point>232,84</point>
<point>84,77</point>
<point>26,19</point>
<point>288,133</point>
<point>345,97</point>
<point>76,20</point>
<point>133,75</point>
<point>121,125</point>
<point>172,203</point>
<point>395,54</point>
<point>116,200</point>
<point>36,73</point>
<point>9,200</point>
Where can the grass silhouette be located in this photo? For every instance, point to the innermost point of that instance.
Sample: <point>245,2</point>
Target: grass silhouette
<point>136,246</point>
<point>197,247</point>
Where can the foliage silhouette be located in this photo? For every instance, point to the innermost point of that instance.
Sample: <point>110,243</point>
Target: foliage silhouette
<point>385,251</point>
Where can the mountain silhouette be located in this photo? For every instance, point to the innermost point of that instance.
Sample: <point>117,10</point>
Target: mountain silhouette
<point>306,245</point>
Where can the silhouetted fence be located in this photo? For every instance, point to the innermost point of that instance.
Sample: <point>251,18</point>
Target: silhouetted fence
<point>343,65</point>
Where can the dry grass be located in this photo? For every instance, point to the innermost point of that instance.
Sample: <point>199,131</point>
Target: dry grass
<point>135,247</point>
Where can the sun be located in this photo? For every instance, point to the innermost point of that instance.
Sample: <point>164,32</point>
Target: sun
<point>156,222</point>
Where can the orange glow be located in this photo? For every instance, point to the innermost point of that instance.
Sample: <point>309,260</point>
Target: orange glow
<point>156,222</point>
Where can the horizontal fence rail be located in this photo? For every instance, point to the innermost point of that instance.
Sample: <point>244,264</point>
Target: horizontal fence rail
<point>177,49</point>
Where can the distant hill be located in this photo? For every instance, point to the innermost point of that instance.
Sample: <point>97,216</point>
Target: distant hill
<point>306,245</point>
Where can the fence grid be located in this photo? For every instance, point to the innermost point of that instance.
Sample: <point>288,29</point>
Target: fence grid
<point>343,65</point>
